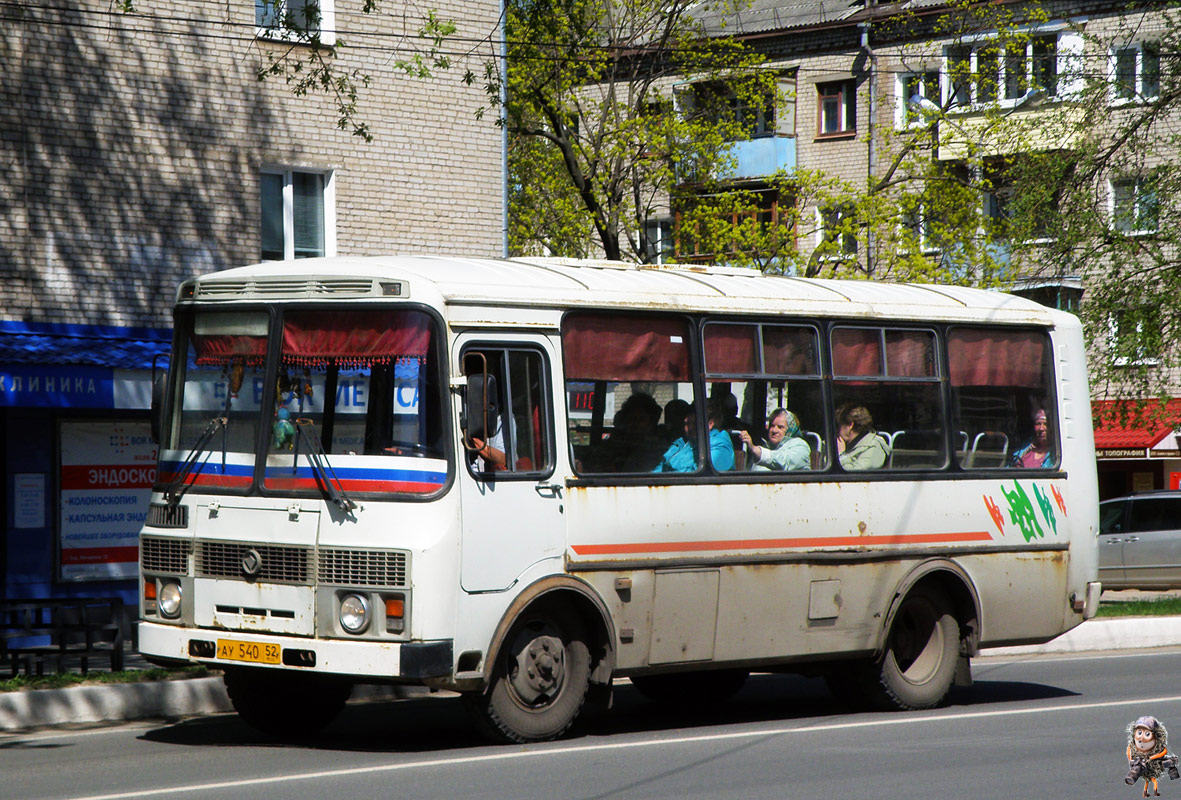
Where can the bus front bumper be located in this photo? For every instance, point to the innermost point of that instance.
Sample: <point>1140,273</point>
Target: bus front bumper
<point>367,659</point>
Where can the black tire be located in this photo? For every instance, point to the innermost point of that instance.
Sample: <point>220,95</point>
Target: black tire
<point>692,688</point>
<point>919,659</point>
<point>285,705</point>
<point>539,682</point>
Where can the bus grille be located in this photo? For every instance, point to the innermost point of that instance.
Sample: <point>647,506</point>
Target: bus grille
<point>166,515</point>
<point>159,554</point>
<point>279,564</point>
<point>379,568</point>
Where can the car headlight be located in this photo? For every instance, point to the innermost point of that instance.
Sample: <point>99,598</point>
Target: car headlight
<point>169,599</point>
<point>354,613</point>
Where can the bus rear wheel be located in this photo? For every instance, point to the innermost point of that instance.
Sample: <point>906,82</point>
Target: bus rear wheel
<point>919,660</point>
<point>285,705</point>
<point>539,682</point>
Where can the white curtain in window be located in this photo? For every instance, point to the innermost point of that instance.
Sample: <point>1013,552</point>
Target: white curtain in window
<point>308,212</point>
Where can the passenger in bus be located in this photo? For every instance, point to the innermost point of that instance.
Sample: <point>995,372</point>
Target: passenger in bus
<point>858,443</point>
<point>681,456</point>
<point>675,411</point>
<point>785,448</point>
<point>635,444</point>
<point>1036,452</point>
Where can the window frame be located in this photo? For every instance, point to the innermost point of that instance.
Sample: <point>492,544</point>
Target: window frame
<point>324,34</point>
<point>844,92</point>
<point>1136,92</point>
<point>1000,62</point>
<point>849,246</point>
<point>1140,191</point>
<point>546,416</point>
<point>928,83</point>
<point>287,174</point>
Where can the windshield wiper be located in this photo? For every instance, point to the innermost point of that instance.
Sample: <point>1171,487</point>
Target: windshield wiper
<point>325,475</point>
<point>171,494</point>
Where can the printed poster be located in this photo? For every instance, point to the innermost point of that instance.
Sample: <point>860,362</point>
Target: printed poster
<point>107,472</point>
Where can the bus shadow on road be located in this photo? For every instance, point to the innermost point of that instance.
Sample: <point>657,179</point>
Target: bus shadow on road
<point>437,723</point>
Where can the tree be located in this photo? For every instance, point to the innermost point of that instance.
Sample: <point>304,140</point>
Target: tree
<point>609,105</point>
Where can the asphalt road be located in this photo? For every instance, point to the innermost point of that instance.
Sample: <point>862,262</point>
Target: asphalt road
<point>1046,727</point>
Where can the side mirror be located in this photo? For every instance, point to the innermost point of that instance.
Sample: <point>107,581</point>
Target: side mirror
<point>481,407</point>
<point>159,389</point>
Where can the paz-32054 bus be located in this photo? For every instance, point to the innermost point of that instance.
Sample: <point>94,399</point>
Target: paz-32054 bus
<point>522,479</point>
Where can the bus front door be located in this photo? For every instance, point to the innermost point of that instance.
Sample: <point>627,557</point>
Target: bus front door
<point>512,509</point>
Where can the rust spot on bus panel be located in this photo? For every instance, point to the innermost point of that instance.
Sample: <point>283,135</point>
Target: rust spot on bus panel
<point>862,527</point>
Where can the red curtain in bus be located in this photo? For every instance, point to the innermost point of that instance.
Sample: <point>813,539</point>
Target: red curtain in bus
<point>600,347</point>
<point>789,351</point>
<point>221,349</point>
<point>856,351</point>
<point>996,358</point>
<point>910,354</point>
<point>358,338</point>
<point>730,349</point>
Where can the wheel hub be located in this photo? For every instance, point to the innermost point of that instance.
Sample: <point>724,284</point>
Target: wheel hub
<point>539,668</point>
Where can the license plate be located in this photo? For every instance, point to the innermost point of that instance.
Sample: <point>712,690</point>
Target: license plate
<point>254,652</point>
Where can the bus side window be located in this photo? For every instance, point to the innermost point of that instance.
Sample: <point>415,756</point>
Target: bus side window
<point>1000,386</point>
<point>506,412</point>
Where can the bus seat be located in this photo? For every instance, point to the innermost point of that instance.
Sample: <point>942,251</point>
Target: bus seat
<point>989,449</point>
<point>739,452</point>
<point>912,449</point>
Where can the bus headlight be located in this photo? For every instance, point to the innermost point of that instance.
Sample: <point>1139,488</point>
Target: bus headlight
<point>169,599</point>
<point>354,613</point>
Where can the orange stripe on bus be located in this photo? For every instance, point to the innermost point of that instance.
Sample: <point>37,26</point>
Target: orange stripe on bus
<point>775,544</point>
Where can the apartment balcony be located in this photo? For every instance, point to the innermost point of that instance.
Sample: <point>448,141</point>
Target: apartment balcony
<point>761,158</point>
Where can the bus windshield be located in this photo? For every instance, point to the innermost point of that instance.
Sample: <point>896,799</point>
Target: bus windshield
<point>347,386</point>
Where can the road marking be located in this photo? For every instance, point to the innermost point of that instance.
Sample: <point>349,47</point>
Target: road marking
<point>508,755</point>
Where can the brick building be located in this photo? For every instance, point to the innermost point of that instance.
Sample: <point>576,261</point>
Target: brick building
<point>140,149</point>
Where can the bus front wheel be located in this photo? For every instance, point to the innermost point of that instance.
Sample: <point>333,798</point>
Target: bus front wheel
<point>539,682</point>
<point>283,704</point>
<point>919,660</point>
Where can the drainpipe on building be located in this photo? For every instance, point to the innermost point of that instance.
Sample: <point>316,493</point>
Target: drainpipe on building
<point>871,155</point>
<point>503,130</point>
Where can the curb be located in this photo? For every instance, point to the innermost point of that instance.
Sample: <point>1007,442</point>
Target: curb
<point>124,702</point>
<point>1123,633</point>
<point>114,703</point>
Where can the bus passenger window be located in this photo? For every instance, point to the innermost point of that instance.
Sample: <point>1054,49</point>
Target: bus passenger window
<point>768,378</point>
<point>1001,398</point>
<point>887,392</point>
<point>628,389</point>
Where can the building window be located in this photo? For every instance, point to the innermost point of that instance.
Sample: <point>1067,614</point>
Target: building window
<point>838,233</point>
<point>837,108</point>
<point>295,19</point>
<point>914,88</point>
<point>1134,205</point>
<point>659,234</point>
<point>297,213</point>
<point>1135,72</point>
<point>1135,337</point>
<point>990,72</point>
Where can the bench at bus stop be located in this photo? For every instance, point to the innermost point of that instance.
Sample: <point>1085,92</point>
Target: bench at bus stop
<point>61,631</point>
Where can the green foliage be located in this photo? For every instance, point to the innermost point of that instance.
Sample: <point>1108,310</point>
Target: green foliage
<point>1155,607</point>
<point>602,122</point>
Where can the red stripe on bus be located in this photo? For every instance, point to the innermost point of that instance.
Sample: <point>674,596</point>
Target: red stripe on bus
<point>100,555</point>
<point>775,544</point>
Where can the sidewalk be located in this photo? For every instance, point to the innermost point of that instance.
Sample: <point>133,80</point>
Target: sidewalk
<point>174,699</point>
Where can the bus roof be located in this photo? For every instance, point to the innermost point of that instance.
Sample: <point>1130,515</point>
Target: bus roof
<point>570,283</point>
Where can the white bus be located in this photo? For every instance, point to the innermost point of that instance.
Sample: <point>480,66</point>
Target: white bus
<point>522,479</point>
